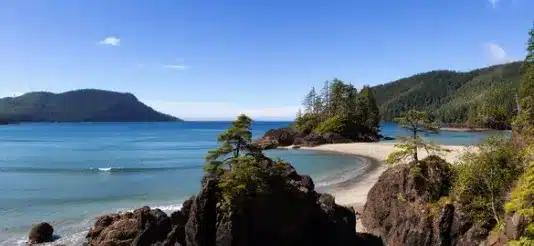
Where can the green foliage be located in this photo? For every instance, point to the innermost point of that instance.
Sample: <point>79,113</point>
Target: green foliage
<point>307,122</point>
<point>454,97</point>
<point>524,123</point>
<point>335,124</point>
<point>484,176</point>
<point>86,105</point>
<point>235,141</point>
<point>522,202</point>
<point>339,108</point>
<point>249,177</point>
<point>415,122</point>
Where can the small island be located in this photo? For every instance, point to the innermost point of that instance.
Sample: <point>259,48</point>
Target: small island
<point>336,114</point>
<point>85,105</point>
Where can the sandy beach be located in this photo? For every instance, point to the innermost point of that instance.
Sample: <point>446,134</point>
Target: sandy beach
<point>354,192</point>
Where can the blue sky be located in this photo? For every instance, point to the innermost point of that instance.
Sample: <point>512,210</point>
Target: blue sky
<point>215,59</point>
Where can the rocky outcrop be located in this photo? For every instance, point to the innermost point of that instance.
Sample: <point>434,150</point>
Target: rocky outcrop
<point>41,233</point>
<point>291,212</point>
<point>277,137</point>
<point>143,226</point>
<point>283,137</point>
<point>408,206</point>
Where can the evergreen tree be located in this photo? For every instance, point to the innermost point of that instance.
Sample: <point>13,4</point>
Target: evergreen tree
<point>236,141</point>
<point>325,98</point>
<point>415,122</point>
<point>368,109</point>
<point>524,123</point>
<point>337,97</point>
<point>309,101</point>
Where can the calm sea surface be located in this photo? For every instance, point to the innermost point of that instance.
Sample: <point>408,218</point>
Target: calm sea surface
<point>67,174</point>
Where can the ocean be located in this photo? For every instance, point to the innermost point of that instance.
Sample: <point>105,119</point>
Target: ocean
<point>67,174</point>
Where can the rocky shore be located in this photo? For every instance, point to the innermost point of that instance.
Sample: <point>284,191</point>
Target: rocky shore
<point>283,137</point>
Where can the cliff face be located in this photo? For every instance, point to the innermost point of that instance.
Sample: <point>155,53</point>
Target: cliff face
<point>291,213</point>
<point>86,105</point>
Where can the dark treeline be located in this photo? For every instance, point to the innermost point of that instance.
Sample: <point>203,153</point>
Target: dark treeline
<point>483,97</point>
<point>339,107</point>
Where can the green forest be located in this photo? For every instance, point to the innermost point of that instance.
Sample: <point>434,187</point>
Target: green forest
<point>339,108</point>
<point>483,97</point>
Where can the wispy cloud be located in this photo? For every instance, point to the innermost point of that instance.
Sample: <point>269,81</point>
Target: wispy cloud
<point>178,64</point>
<point>494,3</point>
<point>111,40</point>
<point>174,66</point>
<point>496,53</point>
<point>190,110</point>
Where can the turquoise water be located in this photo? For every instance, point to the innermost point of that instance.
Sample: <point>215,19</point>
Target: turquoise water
<point>69,173</point>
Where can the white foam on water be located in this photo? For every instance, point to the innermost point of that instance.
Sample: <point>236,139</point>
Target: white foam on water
<point>105,169</point>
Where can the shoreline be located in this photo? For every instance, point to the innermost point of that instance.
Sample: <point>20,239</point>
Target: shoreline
<point>466,129</point>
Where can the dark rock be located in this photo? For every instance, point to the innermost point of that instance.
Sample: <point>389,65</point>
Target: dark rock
<point>41,233</point>
<point>201,226</point>
<point>334,138</point>
<point>398,208</point>
<point>307,182</point>
<point>280,137</point>
<point>266,143</point>
<point>142,227</point>
<point>388,138</point>
<point>312,140</point>
<point>288,212</point>
<point>295,147</point>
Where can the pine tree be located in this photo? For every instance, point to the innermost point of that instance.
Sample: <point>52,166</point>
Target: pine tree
<point>337,97</point>
<point>236,141</point>
<point>309,101</point>
<point>325,98</point>
<point>415,122</point>
<point>368,109</point>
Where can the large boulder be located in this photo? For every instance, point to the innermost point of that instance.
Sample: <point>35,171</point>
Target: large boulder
<point>408,206</point>
<point>144,226</point>
<point>41,233</point>
<point>266,143</point>
<point>281,137</point>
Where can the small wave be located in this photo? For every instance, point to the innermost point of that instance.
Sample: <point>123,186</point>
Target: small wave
<point>94,170</point>
<point>345,174</point>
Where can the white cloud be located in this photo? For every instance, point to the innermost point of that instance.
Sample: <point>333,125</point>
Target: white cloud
<point>177,67</point>
<point>221,110</point>
<point>111,40</point>
<point>494,3</point>
<point>497,54</point>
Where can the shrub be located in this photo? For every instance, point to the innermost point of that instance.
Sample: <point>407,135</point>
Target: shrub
<point>250,176</point>
<point>522,202</point>
<point>484,176</point>
<point>307,122</point>
<point>337,124</point>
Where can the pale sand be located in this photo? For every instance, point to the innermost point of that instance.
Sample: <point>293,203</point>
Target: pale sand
<point>354,192</point>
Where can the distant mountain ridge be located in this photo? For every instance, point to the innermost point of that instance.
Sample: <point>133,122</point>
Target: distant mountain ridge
<point>85,105</point>
<point>481,97</point>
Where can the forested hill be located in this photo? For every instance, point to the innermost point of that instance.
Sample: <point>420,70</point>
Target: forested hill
<point>483,97</point>
<point>87,105</point>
